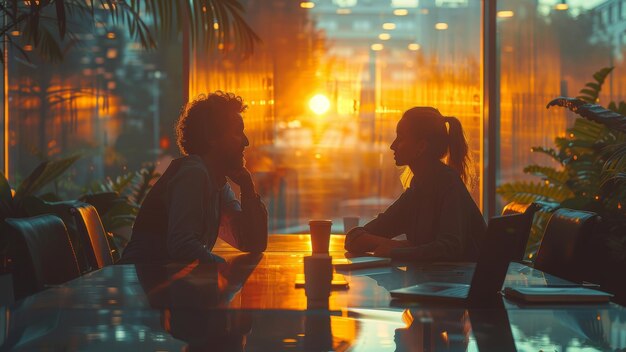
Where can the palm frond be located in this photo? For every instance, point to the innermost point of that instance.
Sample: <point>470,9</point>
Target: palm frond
<point>216,25</point>
<point>143,183</point>
<point>593,112</point>
<point>618,108</point>
<point>592,89</point>
<point>528,192</point>
<point>556,156</point>
<point>586,130</point>
<point>548,173</point>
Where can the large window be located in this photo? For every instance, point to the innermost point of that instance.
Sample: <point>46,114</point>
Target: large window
<point>549,49</point>
<point>327,87</point>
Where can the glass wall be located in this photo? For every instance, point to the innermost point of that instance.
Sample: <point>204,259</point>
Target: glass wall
<point>109,101</point>
<point>549,49</point>
<point>326,88</point>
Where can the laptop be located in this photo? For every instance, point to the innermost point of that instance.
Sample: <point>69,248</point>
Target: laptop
<point>497,250</point>
<point>521,224</point>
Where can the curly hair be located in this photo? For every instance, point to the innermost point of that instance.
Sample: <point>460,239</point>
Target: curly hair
<point>205,119</point>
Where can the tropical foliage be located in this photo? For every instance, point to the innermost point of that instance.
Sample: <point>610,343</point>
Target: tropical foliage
<point>116,200</point>
<point>12,201</point>
<point>592,165</point>
<point>49,26</point>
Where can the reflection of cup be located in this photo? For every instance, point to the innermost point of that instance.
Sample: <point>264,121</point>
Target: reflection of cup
<point>318,274</point>
<point>318,335</point>
<point>320,235</point>
<point>350,222</point>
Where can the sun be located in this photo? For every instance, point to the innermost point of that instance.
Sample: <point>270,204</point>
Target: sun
<point>319,104</point>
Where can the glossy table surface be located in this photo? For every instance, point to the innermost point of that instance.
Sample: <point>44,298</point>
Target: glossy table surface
<point>251,303</point>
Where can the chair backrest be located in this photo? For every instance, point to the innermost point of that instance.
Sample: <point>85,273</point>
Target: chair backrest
<point>92,235</point>
<point>520,208</point>
<point>527,211</point>
<point>46,253</point>
<point>562,249</point>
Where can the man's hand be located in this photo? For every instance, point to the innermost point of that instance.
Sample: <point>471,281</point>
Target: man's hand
<point>384,249</point>
<point>243,178</point>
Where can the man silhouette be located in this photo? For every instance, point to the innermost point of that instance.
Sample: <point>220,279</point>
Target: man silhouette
<point>192,203</point>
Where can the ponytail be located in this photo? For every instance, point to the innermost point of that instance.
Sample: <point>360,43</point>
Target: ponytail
<point>458,151</point>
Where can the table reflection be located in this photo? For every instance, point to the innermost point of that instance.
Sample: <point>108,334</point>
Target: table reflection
<point>250,303</point>
<point>190,296</point>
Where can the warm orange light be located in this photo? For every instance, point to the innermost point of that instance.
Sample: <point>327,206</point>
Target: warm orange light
<point>414,47</point>
<point>377,47</point>
<point>400,12</point>
<point>164,142</point>
<point>505,14</point>
<point>444,337</point>
<point>111,35</point>
<point>111,53</point>
<point>216,25</point>
<point>389,26</point>
<point>15,33</point>
<point>384,36</point>
<point>344,11</point>
<point>28,47</point>
<point>307,4</point>
<point>561,7</point>
<point>441,26</point>
<point>319,104</point>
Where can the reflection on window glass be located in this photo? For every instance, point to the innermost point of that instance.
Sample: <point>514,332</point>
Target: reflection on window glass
<point>108,100</point>
<point>326,88</point>
<point>549,49</point>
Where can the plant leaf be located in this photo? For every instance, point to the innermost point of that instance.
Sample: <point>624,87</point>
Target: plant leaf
<point>46,172</point>
<point>528,192</point>
<point>593,112</point>
<point>549,173</point>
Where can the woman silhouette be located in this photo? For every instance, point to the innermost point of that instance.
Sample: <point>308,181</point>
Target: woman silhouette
<point>437,213</point>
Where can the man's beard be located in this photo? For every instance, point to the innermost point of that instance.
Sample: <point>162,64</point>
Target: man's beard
<point>235,162</point>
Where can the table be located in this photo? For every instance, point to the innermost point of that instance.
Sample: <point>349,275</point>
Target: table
<point>251,302</point>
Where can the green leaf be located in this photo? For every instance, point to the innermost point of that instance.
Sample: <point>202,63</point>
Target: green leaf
<point>45,173</point>
<point>558,157</point>
<point>140,188</point>
<point>527,192</point>
<point>593,112</point>
<point>549,173</point>
<point>601,75</point>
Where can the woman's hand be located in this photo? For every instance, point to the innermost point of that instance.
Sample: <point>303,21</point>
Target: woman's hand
<point>384,249</point>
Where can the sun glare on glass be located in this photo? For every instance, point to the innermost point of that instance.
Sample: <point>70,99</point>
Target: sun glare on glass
<point>319,104</point>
